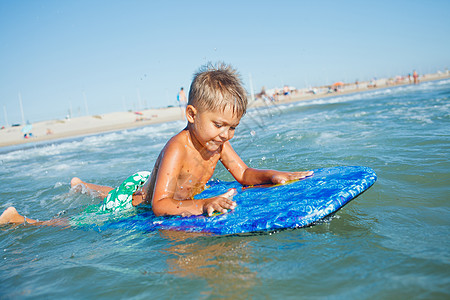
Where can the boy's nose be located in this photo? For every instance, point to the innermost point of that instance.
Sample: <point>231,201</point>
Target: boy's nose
<point>224,134</point>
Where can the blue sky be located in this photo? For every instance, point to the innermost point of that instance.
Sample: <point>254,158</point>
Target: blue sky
<point>57,54</point>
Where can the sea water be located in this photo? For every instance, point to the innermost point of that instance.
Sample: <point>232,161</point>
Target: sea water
<point>391,242</point>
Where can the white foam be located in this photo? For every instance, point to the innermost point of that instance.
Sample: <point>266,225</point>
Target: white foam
<point>443,82</point>
<point>94,143</point>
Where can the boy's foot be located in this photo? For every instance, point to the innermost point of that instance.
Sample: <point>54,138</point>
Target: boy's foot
<point>75,181</point>
<point>10,215</point>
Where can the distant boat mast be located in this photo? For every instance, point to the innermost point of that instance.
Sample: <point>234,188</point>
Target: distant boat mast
<point>21,109</point>
<point>252,94</point>
<point>6,116</point>
<point>85,104</point>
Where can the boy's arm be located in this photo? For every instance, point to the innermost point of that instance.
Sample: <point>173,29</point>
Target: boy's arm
<point>164,203</point>
<point>250,176</point>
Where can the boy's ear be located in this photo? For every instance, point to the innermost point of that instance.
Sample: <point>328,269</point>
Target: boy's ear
<point>191,112</point>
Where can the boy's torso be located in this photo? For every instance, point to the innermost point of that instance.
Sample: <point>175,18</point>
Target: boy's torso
<point>196,169</point>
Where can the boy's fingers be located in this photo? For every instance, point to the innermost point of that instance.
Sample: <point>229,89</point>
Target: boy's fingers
<point>232,192</point>
<point>210,211</point>
<point>301,175</point>
<point>278,179</point>
<point>229,194</point>
<point>231,204</point>
<point>222,203</point>
<point>227,204</point>
<point>281,179</point>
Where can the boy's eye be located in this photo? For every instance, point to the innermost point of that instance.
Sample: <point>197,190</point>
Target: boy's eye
<point>217,125</point>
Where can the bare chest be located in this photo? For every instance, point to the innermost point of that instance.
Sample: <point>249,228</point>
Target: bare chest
<point>194,176</point>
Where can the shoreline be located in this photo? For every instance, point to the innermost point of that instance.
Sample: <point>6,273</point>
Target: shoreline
<point>52,130</point>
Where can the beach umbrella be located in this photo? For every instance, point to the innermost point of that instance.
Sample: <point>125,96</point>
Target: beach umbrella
<point>27,128</point>
<point>338,83</point>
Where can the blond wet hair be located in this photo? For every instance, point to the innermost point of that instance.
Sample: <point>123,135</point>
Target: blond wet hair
<point>216,87</point>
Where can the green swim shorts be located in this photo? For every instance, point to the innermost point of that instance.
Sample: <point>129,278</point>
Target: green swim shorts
<point>121,197</point>
<point>119,200</point>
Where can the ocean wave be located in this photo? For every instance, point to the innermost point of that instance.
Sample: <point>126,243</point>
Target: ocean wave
<point>93,143</point>
<point>443,82</point>
<point>366,95</point>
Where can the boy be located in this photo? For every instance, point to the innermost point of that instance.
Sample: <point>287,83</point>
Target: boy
<point>217,102</point>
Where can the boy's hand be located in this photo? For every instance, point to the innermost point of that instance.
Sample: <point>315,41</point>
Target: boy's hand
<point>283,177</point>
<point>220,203</point>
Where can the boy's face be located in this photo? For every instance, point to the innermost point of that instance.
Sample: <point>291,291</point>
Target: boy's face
<point>213,128</point>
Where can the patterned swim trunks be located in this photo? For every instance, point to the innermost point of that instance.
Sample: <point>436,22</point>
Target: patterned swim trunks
<point>121,197</point>
<point>119,200</point>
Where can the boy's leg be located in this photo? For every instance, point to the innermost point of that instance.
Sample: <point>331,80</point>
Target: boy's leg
<point>100,189</point>
<point>11,216</point>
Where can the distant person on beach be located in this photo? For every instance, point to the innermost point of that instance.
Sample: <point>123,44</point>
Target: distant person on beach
<point>415,77</point>
<point>181,98</point>
<point>182,101</point>
<point>217,102</point>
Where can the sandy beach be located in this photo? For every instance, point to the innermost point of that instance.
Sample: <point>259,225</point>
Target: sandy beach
<point>86,125</point>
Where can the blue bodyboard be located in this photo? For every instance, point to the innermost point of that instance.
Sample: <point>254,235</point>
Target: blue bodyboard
<point>266,208</point>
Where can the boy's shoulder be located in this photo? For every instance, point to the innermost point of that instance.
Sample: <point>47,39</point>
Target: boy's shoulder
<point>178,139</point>
<point>177,143</point>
